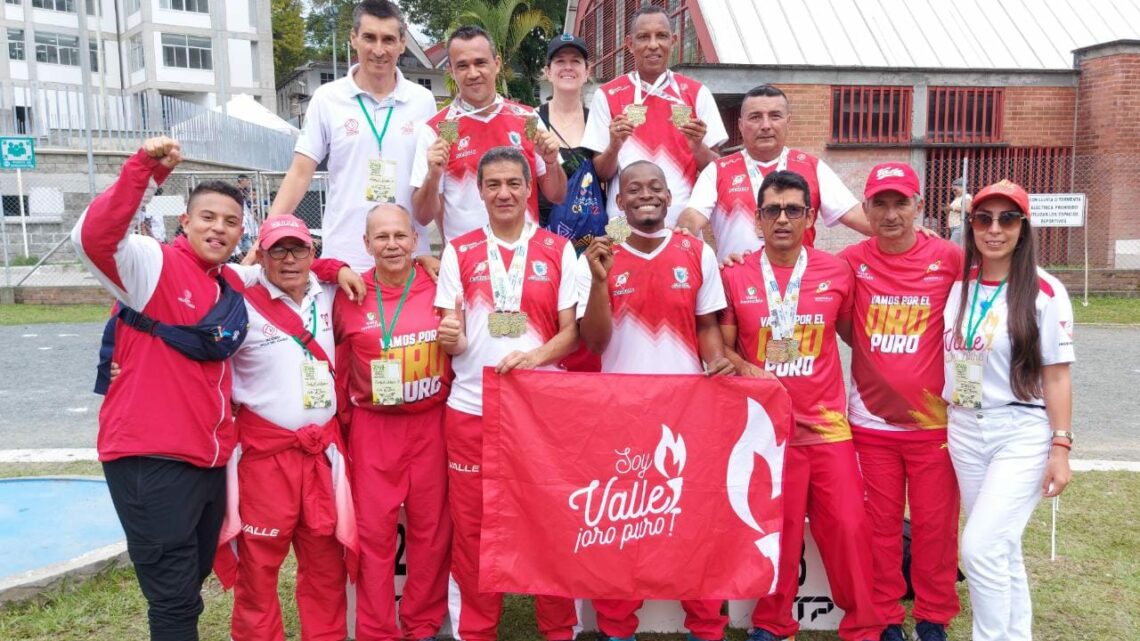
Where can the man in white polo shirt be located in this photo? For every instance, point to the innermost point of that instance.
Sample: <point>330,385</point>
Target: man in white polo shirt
<point>365,124</point>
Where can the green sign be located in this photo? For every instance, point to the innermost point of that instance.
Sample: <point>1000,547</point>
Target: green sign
<point>17,153</point>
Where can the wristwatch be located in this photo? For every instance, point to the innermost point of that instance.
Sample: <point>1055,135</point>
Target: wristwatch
<point>1065,434</point>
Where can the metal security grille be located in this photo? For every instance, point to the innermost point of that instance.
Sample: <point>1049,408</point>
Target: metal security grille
<point>964,114</point>
<point>879,115</point>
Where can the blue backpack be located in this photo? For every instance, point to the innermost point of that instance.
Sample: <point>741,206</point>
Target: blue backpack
<point>582,213</point>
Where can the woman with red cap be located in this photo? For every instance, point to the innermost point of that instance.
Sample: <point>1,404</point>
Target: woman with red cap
<point>1009,346</point>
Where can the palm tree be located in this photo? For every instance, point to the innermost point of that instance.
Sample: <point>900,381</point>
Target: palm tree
<point>508,22</point>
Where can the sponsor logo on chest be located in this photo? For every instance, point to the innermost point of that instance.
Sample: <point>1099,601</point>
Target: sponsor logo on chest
<point>681,278</point>
<point>539,271</point>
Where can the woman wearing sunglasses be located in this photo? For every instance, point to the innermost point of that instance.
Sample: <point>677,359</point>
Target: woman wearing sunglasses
<point>1009,347</point>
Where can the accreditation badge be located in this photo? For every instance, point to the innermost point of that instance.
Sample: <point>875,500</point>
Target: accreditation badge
<point>967,383</point>
<point>387,381</point>
<point>316,385</point>
<point>381,186</point>
<point>636,114</point>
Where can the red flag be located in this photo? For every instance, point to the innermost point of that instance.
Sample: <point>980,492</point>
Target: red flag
<point>632,486</point>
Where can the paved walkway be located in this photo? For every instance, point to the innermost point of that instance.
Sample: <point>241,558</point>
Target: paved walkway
<point>48,372</point>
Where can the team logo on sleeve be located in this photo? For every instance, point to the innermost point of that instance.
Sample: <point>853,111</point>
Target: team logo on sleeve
<point>681,276</point>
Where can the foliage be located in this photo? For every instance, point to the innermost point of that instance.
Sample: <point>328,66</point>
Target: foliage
<point>288,36</point>
<point>518,32</point>
<point>325,18</point>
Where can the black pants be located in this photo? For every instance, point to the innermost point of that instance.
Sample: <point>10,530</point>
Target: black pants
<point>172,514</point>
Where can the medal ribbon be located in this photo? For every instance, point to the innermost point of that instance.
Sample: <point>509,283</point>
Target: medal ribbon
<point>313,331</point>
<point>656,89</point>
<point>368,117</point>
<point>782,308</point>
<point>386,331</point>
<point>460,109</point>
<point>971,326</point>
<point>755,174</point>
<point>507,285</point>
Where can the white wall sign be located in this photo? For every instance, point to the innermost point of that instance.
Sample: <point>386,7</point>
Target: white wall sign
<point>1057,210</point>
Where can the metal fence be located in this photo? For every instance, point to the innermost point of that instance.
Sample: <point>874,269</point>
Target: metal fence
<point>66,118</point>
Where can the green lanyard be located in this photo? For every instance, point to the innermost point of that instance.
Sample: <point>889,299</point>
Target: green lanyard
<point>971,326</point>
<point>312,332</point>
<point>387,331</point>
<point>368,117</point>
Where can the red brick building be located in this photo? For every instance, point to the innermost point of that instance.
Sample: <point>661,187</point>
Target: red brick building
<point>1047,94</point>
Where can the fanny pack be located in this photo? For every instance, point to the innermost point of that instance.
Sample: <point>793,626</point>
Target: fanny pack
<point>214,338</point>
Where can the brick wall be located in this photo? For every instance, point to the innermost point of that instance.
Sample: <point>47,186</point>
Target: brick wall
<point>1039,116</point>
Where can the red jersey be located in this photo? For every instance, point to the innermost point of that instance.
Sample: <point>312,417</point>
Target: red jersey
<point>655,299</point>
<point>427,375</point>
<point>815,380</point>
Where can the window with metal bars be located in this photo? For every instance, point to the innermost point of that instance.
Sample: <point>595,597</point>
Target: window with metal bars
<point>964,114</point>
<point>875,115</point>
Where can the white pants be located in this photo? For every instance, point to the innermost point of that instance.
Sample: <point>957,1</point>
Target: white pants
<point>999,456</point>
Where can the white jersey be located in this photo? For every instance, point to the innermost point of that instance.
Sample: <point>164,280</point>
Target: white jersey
<point>655,299</point>
<point>267,366</point>
<point>336,127</point>
<point>991,341</point>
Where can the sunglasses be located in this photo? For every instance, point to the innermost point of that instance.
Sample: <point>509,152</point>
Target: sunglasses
<point>982,221</point>
<point>772,212</point>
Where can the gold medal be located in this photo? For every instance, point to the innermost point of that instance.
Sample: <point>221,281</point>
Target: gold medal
<point>531,128</point>
<point>618,229</point>
<point>636,114</point>
<point>449,131</point>
<point>506,324</point>
<point>518,324</point>
<point>682,114</point>
<point>782,351</point>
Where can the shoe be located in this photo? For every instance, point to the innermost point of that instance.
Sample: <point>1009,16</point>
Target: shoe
<point>927,631</point>
<point>604,637</point>
<point>760,634</point>
<point>894,632</point>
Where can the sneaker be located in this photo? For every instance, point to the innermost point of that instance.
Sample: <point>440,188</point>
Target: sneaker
<point>760,634</point>
<point>927,631</point>
<point>894,632</point>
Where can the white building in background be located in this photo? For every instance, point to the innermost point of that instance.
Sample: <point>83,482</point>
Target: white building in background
<point>198,51</point>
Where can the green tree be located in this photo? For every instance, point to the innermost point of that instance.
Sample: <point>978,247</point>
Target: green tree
<point>288,36</point>
<point>324,18</point>
<point>517,30</point>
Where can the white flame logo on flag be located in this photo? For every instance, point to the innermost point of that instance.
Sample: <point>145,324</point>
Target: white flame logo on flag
<point>759,438</point>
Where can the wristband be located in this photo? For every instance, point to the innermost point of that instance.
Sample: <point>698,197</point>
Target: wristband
<point>1064,445</point>
<point>1065,434</point>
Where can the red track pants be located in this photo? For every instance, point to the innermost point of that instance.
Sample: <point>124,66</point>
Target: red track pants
<point>474,614</point>
<point>272,504</point>
<point>618,618</point>
<point>400,459</point>
<point>822,482</point>
<point>919,472</point>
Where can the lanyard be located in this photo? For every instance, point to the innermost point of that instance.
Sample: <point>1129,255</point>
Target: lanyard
<point>386,331</point>
<point>756,173</point>
<point>368,117</point>
<point>656,89</point>
<point>971,326</point>
<point>507,285</point>
<point>782,309</point>
<point>460,109</point>
<point>312,332</point>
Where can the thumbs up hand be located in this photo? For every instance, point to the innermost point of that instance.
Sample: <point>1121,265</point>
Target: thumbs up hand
<point>453,328</point>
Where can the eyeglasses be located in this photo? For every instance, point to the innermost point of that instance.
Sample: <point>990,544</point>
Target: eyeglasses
<point>278,253</point>
<point>982,221</point>
<point>772,212</point>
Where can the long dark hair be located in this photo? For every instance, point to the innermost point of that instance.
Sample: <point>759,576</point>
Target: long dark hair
<point>1021,290</point>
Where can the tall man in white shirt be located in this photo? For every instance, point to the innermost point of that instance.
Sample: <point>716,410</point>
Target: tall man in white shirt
<point>365,124</point>
<point>725,192</point>
<point>653,114</point>
<point>478,119</point>
<point>507,294</point>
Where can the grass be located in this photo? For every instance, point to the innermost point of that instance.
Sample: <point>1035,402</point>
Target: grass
<point>1107,309</point>
<point>22,314</point>
<point>1090,592</point>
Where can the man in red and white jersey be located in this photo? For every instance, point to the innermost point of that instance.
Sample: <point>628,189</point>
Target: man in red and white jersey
<point>366,125</point>
<point>648,306</point>
<point>507,294</point>
<point>785,306</point>
<point>725,192</point>
<point>398,379</point>
<point>654,114</point>
<point>897,415</point>
<point>478,119</point>
<point>291,485</point>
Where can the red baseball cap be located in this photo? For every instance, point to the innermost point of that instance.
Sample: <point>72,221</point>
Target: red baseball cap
<point>892,176</point>
<point>1006,189</point>
<point>276,228</point>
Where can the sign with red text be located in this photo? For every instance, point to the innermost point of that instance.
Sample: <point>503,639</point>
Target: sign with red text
<point>632,486</point>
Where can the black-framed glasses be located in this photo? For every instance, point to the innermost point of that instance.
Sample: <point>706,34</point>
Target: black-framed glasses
<point>982,221</point>
<point>772,212</point>
<point>300,252</point>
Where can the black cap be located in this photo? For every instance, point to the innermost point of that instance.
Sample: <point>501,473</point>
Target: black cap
<point>563,41</point>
